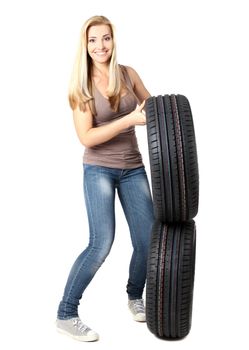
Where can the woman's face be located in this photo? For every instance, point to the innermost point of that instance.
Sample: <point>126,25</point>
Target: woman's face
<point>100,43</point>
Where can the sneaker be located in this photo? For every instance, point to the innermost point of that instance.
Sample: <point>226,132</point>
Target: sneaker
<point>137,309</point>
<point>73,327</point>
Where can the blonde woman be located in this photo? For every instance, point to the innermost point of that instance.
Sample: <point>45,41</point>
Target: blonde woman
<point>107,101</point>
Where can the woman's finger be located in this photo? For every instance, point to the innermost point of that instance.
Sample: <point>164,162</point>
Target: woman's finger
<point>139,108</point>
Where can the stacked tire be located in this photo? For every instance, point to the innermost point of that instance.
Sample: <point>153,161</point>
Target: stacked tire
<point>175,189</point>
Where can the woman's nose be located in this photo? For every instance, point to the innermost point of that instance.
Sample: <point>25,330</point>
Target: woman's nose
<point>100,44</point>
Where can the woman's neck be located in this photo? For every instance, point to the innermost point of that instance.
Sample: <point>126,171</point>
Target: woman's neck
<point>100,70</point>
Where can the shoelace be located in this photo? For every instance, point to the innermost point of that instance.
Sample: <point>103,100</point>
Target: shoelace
<point>81,326</point>
<point>138,306</point>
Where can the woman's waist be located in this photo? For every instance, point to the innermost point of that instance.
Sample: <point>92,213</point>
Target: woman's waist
<point>118,143</point>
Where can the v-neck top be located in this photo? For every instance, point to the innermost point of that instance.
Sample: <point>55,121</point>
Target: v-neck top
<point>121,151</point>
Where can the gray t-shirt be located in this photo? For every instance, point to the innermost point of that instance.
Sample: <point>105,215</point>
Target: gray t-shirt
<point>121,151</point>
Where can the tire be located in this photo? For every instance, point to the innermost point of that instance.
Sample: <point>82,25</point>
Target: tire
<point>170,279</point>
<point>173,158</point>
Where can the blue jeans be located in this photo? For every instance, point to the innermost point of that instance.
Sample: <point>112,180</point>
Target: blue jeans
<point>133,190</point>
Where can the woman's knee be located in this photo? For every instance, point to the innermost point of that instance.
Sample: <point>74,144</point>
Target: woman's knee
<point>99,252</point>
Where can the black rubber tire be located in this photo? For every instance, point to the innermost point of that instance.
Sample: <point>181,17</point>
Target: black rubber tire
<point>173,158</point>
<point>170,279</point>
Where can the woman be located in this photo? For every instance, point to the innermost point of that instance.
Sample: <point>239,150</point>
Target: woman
<point>104,96</point>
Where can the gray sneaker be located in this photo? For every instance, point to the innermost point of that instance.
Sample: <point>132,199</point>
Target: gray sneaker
<point>73,327</point>
<point>137,309</point>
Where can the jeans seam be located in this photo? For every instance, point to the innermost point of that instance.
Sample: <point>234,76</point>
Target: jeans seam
<point>133,235</point>
<point>85,258</point>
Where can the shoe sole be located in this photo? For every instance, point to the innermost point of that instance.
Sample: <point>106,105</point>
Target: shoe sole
<point>138,319</point>
<point>79,338</point>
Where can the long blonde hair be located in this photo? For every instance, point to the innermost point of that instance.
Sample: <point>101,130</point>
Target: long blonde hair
<point>80,88</point>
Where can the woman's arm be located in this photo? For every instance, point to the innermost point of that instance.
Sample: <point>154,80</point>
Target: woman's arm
<point>138,87</point>
<point>91,136</point>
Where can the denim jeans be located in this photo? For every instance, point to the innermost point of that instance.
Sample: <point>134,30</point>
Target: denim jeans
<point>100,184</point>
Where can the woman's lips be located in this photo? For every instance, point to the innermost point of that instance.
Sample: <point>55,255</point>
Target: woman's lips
<point>100,53</point>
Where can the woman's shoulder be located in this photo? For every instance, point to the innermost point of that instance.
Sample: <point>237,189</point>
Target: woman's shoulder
<point>132,74</point>
<point>129,69</point>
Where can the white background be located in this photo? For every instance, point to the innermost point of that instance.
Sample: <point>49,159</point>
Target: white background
<point>195,48</point>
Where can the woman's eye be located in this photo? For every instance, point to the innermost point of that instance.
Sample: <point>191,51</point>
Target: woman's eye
<point>91,40</point>
<point>107,38</point>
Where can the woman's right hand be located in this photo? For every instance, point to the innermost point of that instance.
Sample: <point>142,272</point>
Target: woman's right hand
<point>137,117</point>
